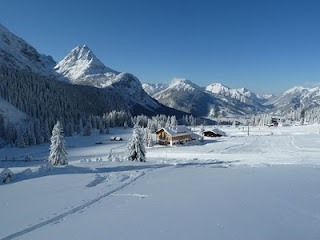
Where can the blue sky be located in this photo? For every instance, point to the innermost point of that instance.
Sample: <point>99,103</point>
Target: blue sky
<point>266,46</point>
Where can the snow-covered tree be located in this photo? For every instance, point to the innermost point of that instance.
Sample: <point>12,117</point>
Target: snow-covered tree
<point>6,175</point>
<point>202,128</point>
<point>57,148</point>
<point>46,132</point>
<point>2,128</point>
<point>31,135</point>
<point>79,127</point>
<point>168,122</point>
<point>22,139</point>
<point>173,122</point>
<point>37,132</point>
<point>87,129</point>
<point>301,121</point>
<point>148,141</point>
<point>136,149</point>
<point>101,127</point>
<point>11,133</point>
<point>69,129</point>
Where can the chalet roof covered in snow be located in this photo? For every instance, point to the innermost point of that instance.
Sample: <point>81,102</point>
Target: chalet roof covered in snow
<point>217,131</point>
<point>177,131</point>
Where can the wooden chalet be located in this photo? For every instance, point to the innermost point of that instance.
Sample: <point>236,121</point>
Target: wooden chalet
<point>178,135</point>
<point>214,133</point>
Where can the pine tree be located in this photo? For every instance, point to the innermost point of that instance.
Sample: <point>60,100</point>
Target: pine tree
<point>148,141</point>
<point>87,129</point>
<point>2,128</point>
<point>202,128</point>
<point>101,127</point>
<point>37,132</point>
<point>11,133</point>
<point>80,126</point>
<point>20,142</point>
<point>31,135</point>
<point>47,134</point>
<point>173,122</point>
<point>69,129</point>
<point>135,149</point>
<point>57,148</point>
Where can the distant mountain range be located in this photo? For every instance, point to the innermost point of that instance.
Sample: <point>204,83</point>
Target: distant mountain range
<point>296,98</point>
<point>211,101</point>
<point>82,67</point>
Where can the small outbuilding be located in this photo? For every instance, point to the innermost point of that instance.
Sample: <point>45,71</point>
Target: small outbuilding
<point>214,133</point>
<point>116,139</point>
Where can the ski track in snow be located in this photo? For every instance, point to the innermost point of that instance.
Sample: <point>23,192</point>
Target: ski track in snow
<point>99,179</point>
<point>60,217</point>
<point>234,147</point>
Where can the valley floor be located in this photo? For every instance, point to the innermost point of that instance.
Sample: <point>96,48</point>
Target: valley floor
<point>261,186</point>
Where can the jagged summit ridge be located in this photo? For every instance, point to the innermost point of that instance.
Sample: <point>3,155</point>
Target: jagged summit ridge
<point>241,94</point>
<point>82,66</point>
<point>183,84</point>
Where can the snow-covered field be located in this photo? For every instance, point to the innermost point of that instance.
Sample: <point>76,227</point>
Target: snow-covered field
<point>261,186</point>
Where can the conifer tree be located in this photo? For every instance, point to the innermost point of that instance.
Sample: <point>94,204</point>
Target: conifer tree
<point>11,133</point>
<point>57,149</point>
<point>148,141</point>
<point>21,141</point>
<point>173,121</point>
<point>87,129</point>
<point>47,134</point>
<point>136,149</point>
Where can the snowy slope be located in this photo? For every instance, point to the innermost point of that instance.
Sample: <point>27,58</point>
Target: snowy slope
<point>182,94</point>
<point>131,89</point>
<point>183,202</point>
<point>263,186</point>
<point>153,88</point>
<point>18,54</point>
<point>11,114</point>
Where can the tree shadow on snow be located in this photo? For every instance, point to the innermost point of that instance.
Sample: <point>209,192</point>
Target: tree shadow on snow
<point>71,169</point>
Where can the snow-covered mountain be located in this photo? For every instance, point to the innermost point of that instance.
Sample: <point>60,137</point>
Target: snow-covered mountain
<point>186,96</point>
<point>153,88</point>
<point>241,94</point>
<point>183,95</point>
<point>130,88</point>
<point>296,97</point>
<point>18,54</point>
<point>81,66</point>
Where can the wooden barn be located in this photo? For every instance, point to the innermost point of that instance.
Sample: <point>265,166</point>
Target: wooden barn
<point>214,133</point>
<point>178,135</point>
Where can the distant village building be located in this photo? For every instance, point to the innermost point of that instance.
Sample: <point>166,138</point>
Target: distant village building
<point>277,121</point>
<point>214,133</point>
<point>177,135</point>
